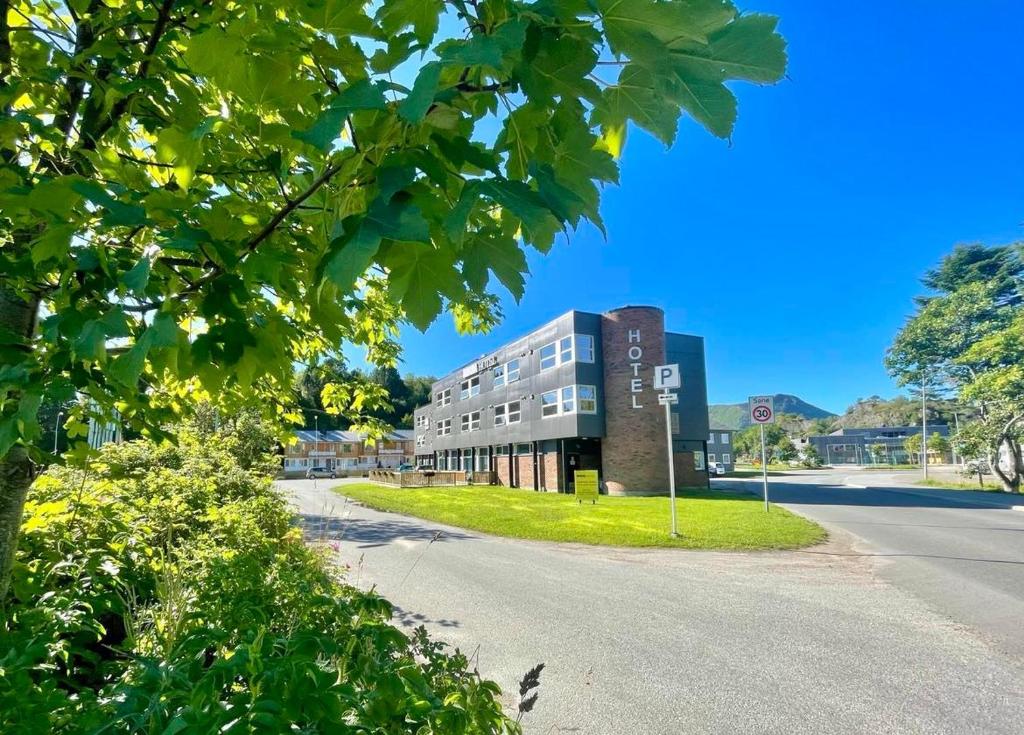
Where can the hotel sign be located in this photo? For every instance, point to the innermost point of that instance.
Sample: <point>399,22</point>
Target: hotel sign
<point>479,366</point>
<point>635,352</point>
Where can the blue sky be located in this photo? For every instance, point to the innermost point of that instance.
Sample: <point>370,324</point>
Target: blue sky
<point>795,251</point>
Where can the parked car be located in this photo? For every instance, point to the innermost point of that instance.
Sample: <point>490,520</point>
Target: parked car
<point>716,468</point>
<point>978,466</point>
<point>320,472</point>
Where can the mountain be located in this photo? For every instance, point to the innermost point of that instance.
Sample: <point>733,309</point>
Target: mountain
<point>734,415</point>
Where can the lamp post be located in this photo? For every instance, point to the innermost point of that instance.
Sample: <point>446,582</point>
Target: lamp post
<point>924,427</point>
<point>56,430</point>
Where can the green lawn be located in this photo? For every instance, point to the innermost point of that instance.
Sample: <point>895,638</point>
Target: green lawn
<point>707,520</point>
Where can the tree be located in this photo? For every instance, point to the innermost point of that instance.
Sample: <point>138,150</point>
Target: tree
<point>811,458</point>
<point>938,445</point>
<point>196,196</point>
<point>879,450</point>
<point>966,339</point>
<point>913,446</point>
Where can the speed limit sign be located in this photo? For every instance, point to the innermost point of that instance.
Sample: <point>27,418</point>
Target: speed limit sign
<point>762,409</point>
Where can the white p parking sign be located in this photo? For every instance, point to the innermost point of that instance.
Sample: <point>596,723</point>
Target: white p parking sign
<point>667,377</point>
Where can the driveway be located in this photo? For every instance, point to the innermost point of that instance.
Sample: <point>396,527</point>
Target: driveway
<point>669,641</point>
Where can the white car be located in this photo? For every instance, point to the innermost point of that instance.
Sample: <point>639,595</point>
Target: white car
<point>716,468</point>
<point>313,472</point>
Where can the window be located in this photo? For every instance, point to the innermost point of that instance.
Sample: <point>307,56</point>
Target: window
<point>674,421</point>
<point>711,438</point>
<point>507,413</point>
<point>549,404</point>
<point>443,397</point>
<point>548,356</point>
<point>711,457</point>
<point>584,348</point>
<point>444,427</point>
<point>569,399</point>
<point>471,421</point>
<point>499,376</point>
<point>565,350</point>
<point>587,395</point>
<point>698,460</point>
<point>421,441</point>
<point>469,388</point>
<point>727,458</point>
<point>482,459</point>
<point>467,460</point>
<point>422,421</point>
<point>500,451</point>
<point>523,448</point>
<point>512,371</point>
<point>514,414</point>
<point>725,438</point>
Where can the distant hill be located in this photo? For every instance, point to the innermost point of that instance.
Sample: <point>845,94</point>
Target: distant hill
<point>734,415</point>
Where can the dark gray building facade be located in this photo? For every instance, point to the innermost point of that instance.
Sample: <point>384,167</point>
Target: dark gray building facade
<point>576,393</point>
<point>875,445</point>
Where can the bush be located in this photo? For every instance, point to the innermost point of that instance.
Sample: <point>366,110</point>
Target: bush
<point>164,589</point>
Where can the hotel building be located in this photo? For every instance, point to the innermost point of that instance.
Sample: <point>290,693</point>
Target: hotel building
<point>577,393</point>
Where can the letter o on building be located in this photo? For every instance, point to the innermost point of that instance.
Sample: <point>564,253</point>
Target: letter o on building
<point>635,353</point>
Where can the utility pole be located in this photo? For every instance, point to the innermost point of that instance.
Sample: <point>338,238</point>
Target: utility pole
<point>924,426</point>
<point>956,424</point>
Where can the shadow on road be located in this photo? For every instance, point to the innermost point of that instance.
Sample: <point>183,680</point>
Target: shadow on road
<point>370,533</point>
<point>409,619</point>
<point>781,491</point>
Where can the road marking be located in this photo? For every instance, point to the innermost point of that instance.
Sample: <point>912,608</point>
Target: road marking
<point>847,483</point>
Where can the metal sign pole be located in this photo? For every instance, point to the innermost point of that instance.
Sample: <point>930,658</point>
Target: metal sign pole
<point>764,470</point>
<point>671,464</point>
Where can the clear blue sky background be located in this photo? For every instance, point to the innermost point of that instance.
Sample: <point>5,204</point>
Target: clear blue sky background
<point>796,251</point>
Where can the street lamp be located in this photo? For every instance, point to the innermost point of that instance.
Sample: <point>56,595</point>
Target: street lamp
<point>56,429</point>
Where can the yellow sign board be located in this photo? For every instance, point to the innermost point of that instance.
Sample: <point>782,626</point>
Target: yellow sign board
<point>586,485</point>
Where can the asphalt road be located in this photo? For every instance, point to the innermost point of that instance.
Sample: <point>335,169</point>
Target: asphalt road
<point>669,641</point>
<point>961,552</point>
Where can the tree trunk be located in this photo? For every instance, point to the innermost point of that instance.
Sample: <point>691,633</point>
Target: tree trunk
<point>1010,480</point>
<point>16,468</point>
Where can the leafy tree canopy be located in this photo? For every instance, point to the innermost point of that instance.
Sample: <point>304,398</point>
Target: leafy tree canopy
<point>196,195</point>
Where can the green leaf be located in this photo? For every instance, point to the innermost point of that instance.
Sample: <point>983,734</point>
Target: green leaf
<point>415,105</point>
<point>337,17</point>
<point>666,21</point>
<point>127,367</point>
<point>54,243</point>
<point>420,274</point>
<point>349,256</point>
<point>361,95</point>
<point>634,98</point>
<point>90,344</point>
<point>136,279</point>
<point>181,148</point>
<point>422,15</point>
<point>502,256</point>
<point>748,48</point>
<point>483,49</point>
<point>710,103</point>
<point>559,68</point>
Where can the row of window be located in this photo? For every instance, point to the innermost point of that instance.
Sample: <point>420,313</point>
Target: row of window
<point>711,438</point>
<point>567,400</point>
<point>579,347</point>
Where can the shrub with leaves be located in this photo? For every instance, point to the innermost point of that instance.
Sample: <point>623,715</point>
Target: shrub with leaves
<point>164,589</point>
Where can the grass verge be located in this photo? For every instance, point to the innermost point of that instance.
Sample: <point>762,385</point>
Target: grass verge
<point>988,487</point>
<point>707,520</point>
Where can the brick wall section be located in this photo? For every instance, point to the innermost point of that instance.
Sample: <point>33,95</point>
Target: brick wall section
<point>633,453</point>
<point>503,470</point>
<point>686,474</point>
<point>525,471</point>
<point>549,472</point>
